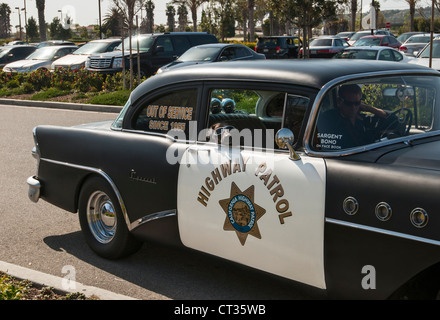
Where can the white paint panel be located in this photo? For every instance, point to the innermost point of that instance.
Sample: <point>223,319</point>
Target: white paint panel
<point>293,249</point>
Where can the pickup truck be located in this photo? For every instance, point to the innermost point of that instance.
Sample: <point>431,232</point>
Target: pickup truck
<point>323,172</point>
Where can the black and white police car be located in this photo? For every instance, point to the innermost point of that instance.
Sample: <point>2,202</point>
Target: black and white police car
<point>245,161</point>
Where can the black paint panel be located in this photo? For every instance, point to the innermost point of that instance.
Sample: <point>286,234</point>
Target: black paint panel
<point>117,154</point>
<point>395,261</point>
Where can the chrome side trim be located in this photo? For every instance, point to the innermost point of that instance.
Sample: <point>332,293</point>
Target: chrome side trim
<point>153,216</point>
<point>102,174</point>
<point>382,231</point>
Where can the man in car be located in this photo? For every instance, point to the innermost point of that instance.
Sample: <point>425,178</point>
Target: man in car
<point>345,126</point>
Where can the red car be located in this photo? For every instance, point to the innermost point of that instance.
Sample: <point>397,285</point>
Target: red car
<point>378,40</point>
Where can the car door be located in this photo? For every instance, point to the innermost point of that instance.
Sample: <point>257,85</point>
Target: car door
<point>251,204</point>
<point>163,52</point>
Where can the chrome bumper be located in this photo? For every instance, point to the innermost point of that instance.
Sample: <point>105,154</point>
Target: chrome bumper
<point>34,188</point>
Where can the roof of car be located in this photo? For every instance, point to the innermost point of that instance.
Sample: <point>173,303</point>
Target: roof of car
<point>311,73</point>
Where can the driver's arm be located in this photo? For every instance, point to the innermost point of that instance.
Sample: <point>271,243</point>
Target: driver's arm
<point>376,111</point>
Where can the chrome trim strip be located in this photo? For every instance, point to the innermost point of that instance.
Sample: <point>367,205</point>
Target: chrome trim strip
<point>153,216</point>
<point>105,176</point>
<point>382,231</point>
<point>329,85</point>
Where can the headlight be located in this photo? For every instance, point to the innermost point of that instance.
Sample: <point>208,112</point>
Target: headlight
<point>88,63</point>
<point>7,69</point>
<point>77,66</point>
<point>117,63</point>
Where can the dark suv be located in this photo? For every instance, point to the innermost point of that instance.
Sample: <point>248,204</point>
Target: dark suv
<point>10,54</point>
<point>279,47</point>
<point>155,50</point>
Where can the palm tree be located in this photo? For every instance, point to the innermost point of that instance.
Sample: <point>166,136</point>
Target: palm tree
<point>193,5</point>
<point>41,20</point>
<point>412,12</point>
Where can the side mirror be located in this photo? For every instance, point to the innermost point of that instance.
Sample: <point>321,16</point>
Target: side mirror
<point>284,139</point>
<point>158,49</point>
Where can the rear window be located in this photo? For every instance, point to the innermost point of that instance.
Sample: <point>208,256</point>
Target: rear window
<point>269,42</point>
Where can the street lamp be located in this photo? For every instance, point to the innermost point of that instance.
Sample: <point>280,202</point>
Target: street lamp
<point>19,21</point>
<point>61,14</point>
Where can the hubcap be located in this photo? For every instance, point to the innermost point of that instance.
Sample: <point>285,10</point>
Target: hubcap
<point>101,217</point>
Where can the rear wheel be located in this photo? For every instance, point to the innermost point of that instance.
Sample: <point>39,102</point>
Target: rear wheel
<point>102,221</point>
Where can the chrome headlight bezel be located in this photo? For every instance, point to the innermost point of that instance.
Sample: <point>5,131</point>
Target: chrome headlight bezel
<point>117,63</point>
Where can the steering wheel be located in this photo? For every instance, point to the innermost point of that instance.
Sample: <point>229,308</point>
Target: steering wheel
<point>398,123</point>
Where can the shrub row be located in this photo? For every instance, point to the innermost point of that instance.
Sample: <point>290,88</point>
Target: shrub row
<point>65,79</point>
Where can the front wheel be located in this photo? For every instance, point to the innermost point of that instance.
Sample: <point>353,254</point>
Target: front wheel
<point>102,221</point>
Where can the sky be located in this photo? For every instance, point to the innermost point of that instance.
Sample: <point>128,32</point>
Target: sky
<point>86,12</point>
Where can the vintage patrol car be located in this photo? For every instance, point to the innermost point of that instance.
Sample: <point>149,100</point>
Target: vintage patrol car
<point>324,172</point>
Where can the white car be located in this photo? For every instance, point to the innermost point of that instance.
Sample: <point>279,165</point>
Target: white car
<point>372,53</point>
<point>78,58</point>
<point>40,59</point>
<point>423,56</point>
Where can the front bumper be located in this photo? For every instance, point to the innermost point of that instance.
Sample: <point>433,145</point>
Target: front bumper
<point>34,188</point>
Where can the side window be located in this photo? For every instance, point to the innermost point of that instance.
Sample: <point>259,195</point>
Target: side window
<point>228,54</point>
<point>397,55</point>
<point>375,110</point>
<point>166,43</point>
<point>181,43</point>
<point>255,114</point>
<point>386,55</point>
<point>63,52</point>
<point>236,109</point>
<point>172,111</point>
<point>112,47</point>
<point>242,52</point>
<point>338,43</point>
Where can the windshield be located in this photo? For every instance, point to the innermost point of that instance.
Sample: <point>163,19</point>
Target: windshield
<point>435,50</point>
<point>44,53</point>
<point>321,43</point>
<point>376,110</point>
<point>92,47</point>
<point>199,54</point>
<point>268,42</point>
<point>145,43</point>
<point>358,35</point>
<point>357,54</point>
<point>368,42</point>
<point>4,52</point>
<point>418,39</point>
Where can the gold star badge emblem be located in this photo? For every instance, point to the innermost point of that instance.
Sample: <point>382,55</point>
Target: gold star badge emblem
<point>242,213</point>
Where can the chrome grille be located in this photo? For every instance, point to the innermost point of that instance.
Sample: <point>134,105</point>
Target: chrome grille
<point>100,63</point>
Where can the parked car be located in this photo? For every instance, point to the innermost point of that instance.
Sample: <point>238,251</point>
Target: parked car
<point>40,59</point>
<point>214,52</point>
<point>415,43</point>
<point>13,53</point>
<point>55,43</point>
<point>423,58</point>
<point>78,58</point>
<point>404,36</point>
<point>372,53</point>
<point>171,168</point>
<point>378,40</point>
<point>17,42</point>
<point>156,50</point>
<point>346,35</point>
<point>325,47</point>
<point>364,33</point>
<point>279,47</point>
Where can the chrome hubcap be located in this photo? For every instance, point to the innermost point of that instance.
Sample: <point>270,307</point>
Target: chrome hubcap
<point>101,217</point>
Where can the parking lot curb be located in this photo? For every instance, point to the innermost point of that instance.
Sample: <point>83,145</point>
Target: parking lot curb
<point>46,280</point>
<point>62,105</point>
